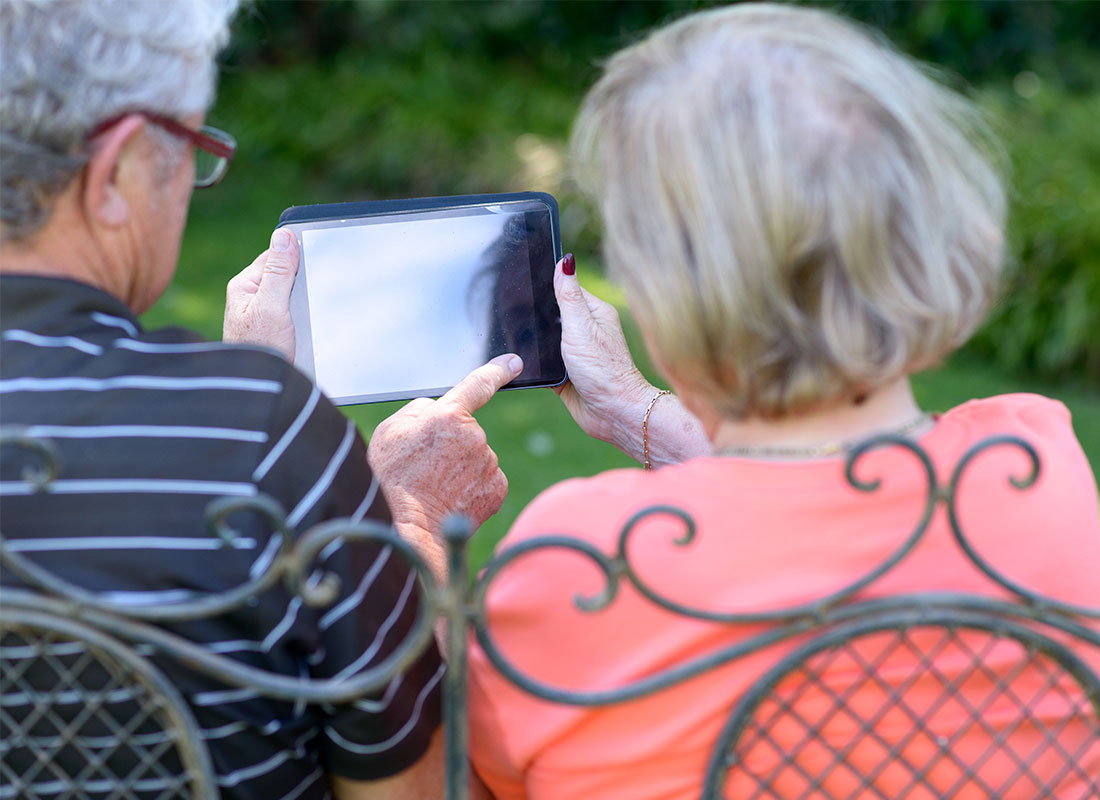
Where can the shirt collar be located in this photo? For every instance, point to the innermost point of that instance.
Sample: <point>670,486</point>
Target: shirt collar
<point>32,301</point>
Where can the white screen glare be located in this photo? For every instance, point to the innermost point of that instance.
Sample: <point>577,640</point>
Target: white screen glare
<point>404,304</point>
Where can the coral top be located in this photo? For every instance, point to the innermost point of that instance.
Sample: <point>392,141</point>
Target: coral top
<point>770,535</point>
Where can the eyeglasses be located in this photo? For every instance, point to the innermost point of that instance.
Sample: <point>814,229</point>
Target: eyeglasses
<point>214,148</point>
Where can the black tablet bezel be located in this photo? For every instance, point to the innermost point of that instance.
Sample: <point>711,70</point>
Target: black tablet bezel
<point>549,352</point>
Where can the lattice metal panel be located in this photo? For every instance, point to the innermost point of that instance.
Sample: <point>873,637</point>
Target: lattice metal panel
<point>84,717</point>
<point>918,713</point>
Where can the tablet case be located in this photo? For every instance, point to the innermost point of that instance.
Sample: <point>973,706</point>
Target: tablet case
<point>367,208</point>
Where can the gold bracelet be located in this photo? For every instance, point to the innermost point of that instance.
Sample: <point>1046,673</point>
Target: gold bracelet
<point>645,427</point>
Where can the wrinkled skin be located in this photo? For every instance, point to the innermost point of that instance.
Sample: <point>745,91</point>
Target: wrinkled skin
<point>432,457</point>
<point>604,389</point>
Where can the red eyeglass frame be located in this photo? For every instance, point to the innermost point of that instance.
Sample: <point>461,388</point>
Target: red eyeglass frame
<point>196,137</point>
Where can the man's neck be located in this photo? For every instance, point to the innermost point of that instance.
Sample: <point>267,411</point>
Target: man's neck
<point>63,248</point>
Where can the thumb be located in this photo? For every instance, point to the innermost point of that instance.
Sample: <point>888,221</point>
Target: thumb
<point>280,268</point>
<point>476,389</point>
<point>568,291</point>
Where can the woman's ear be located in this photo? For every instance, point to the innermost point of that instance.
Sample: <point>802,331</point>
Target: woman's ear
<point>104,202</point>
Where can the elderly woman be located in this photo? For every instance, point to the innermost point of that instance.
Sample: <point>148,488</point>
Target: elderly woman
<point>801,219</point>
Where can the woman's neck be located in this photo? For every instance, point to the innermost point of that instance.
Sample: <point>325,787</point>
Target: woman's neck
<point>885,410</point>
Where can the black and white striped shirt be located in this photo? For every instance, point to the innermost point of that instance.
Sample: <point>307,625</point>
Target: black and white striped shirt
<point>150,427</point>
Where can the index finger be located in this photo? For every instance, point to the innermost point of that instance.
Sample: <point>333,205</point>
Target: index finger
<point>475,390</point>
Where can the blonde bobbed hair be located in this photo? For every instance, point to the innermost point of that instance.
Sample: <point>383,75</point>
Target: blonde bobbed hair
<point>797,212</point>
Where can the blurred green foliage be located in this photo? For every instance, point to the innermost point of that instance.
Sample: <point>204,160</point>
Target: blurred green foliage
<point>368,126</point>
<point>363,99</point>
<point>980,39</point>
<point>1048,320</point>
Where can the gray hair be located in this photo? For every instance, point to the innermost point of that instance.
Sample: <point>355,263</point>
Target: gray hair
<point>797,212</point>
<point>67,65</point>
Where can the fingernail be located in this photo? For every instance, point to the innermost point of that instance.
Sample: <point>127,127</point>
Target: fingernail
<point>569,264</point>
<point>280,240</point>
<point>515,363</point>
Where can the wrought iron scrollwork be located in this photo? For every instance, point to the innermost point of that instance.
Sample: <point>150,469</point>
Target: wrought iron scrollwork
<point>817,607</point>
<point>293,564</point>
<point>787,623</point>
<point>1019,483</point>
<point>52,606</point>
<point>45,460</point>
<point>1027,616</point>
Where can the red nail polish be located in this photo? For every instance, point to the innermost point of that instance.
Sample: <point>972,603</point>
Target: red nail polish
<point>569,264</point>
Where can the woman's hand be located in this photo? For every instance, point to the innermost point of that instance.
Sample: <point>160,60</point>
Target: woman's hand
<point>257,299</point>
<point>605,391</point>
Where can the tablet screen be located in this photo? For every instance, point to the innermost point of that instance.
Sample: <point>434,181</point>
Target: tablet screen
<point>405,305</point>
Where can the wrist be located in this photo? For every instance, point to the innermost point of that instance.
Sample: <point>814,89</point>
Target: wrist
<point>406,510</point>
<point>430,549</point>
<point>647,462</point>
<point>624,429</point>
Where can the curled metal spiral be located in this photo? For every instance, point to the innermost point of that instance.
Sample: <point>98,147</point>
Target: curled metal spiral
<point>855,457</point>
<point>1020,483</point>
<point>132,623</point>
<point>792,621</point>
<point>202,605</point>
<point>610,569</point>
<point>45,463</point>
<point>607,567</point>
<point>293,563</point>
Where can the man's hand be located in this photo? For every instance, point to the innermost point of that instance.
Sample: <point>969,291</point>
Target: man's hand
<point>432,458</point>
<point>257,300</point>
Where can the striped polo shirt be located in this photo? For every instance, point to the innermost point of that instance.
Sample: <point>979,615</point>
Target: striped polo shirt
<point>150,427</point>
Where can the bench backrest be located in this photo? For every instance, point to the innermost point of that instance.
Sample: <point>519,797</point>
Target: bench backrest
<point>913,666</point>
<point>85,711</point>
<point>931,695</point>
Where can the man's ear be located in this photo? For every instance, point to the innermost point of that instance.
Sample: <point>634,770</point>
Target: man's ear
<point>104,202</point>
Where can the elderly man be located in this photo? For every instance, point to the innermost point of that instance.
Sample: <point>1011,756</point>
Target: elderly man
<point>103,142</point>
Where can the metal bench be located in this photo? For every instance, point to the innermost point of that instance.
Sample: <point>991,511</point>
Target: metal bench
<point>887,652</point>
<point>798,698</point>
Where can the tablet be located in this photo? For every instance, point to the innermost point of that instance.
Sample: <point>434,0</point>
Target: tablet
<point>401,299</point>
